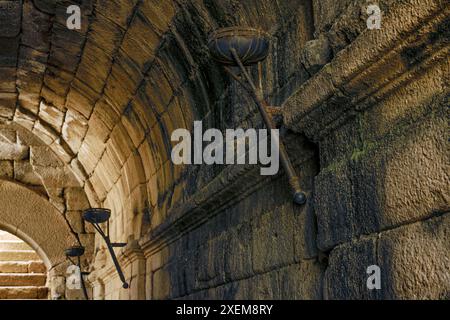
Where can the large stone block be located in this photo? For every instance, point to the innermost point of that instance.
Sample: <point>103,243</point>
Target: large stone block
<point>13,266</point>
<point>8,51</point>
<point>94,65</point>
<point>36,267</point>
<point>75,221</point>
<point>158,89</point>
<point>11,148</point>
<point>24,280</point>
<point>416,174</point>
<point>8,83</point>
<point>6,169</point>
<point>272,242</point>
<point>159,14</point>
<point>56,177</point>
<point>161,284</point>
<point>123,81</point>
<point>399,179</point>
<point>316,54</point>
<point>74,129</point>
<point>333,206</point>
<point>51,115</point>
<point>133,126</point>
<point>117,11</point>
<point>24,172</point>
<point>302,281</point>
<point>140,42</point>
<point>10,18</point>
<point>87,156</point>
<point>42,156</point>
<point>415,260</point>
<point>81,98</point>
<point>7,104</point>
<point>121,143</point>
<point>346,274</point>
<point>238,252</point>
<point>44,132</point>
<point>48,6</point>
<point>35,28</point>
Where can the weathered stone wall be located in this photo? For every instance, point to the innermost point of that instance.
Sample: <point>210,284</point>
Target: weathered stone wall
<point>381,197</point>
<point>259,245</point>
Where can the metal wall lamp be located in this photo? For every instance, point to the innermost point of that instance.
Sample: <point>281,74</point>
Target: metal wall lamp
<point>77,252</point>
<point>96,216</point>
<point>241,47</point>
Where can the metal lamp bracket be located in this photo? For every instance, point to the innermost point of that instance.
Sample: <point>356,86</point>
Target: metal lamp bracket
<point>96,216</point>
<point>240,47</point>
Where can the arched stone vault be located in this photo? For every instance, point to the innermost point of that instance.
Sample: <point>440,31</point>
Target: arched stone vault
<point>106,98</point>
<point>32,218</point>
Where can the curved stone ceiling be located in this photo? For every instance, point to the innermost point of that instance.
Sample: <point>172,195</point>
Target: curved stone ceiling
<point>106,98</point>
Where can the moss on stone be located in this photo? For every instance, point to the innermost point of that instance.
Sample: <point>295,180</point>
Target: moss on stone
<point>359,153</point>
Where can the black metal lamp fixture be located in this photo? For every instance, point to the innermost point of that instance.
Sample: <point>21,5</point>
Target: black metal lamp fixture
<point>77,252</point>
<point>96,216</point>
<point>241,47</point>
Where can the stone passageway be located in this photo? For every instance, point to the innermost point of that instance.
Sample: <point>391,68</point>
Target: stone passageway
<point>23,274</point>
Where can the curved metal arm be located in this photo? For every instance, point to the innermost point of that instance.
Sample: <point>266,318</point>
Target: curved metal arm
<point>257,94</point>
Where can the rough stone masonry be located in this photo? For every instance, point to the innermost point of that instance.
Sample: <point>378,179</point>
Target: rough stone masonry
<point>86,117</point>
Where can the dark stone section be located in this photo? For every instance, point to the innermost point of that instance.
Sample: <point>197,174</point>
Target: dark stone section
<point>10,18</point>
<point>346,275</point>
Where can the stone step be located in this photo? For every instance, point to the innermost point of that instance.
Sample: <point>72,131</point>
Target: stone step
<point>22,279</point>
<point>14,245</point>
<point>22,267</point>
<point>23,293</point>
<point>18,255</point>
<point>7,236</point>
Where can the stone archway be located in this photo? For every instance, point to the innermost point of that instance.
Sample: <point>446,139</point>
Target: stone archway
<point>35,220</point>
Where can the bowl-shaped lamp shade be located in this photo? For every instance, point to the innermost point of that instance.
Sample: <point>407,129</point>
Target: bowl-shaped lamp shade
<point>74,251</point>
<point>96,215</point>
<point>251,45</point>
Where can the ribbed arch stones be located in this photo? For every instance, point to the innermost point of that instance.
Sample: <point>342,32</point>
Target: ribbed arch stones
<point>32,218</point>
